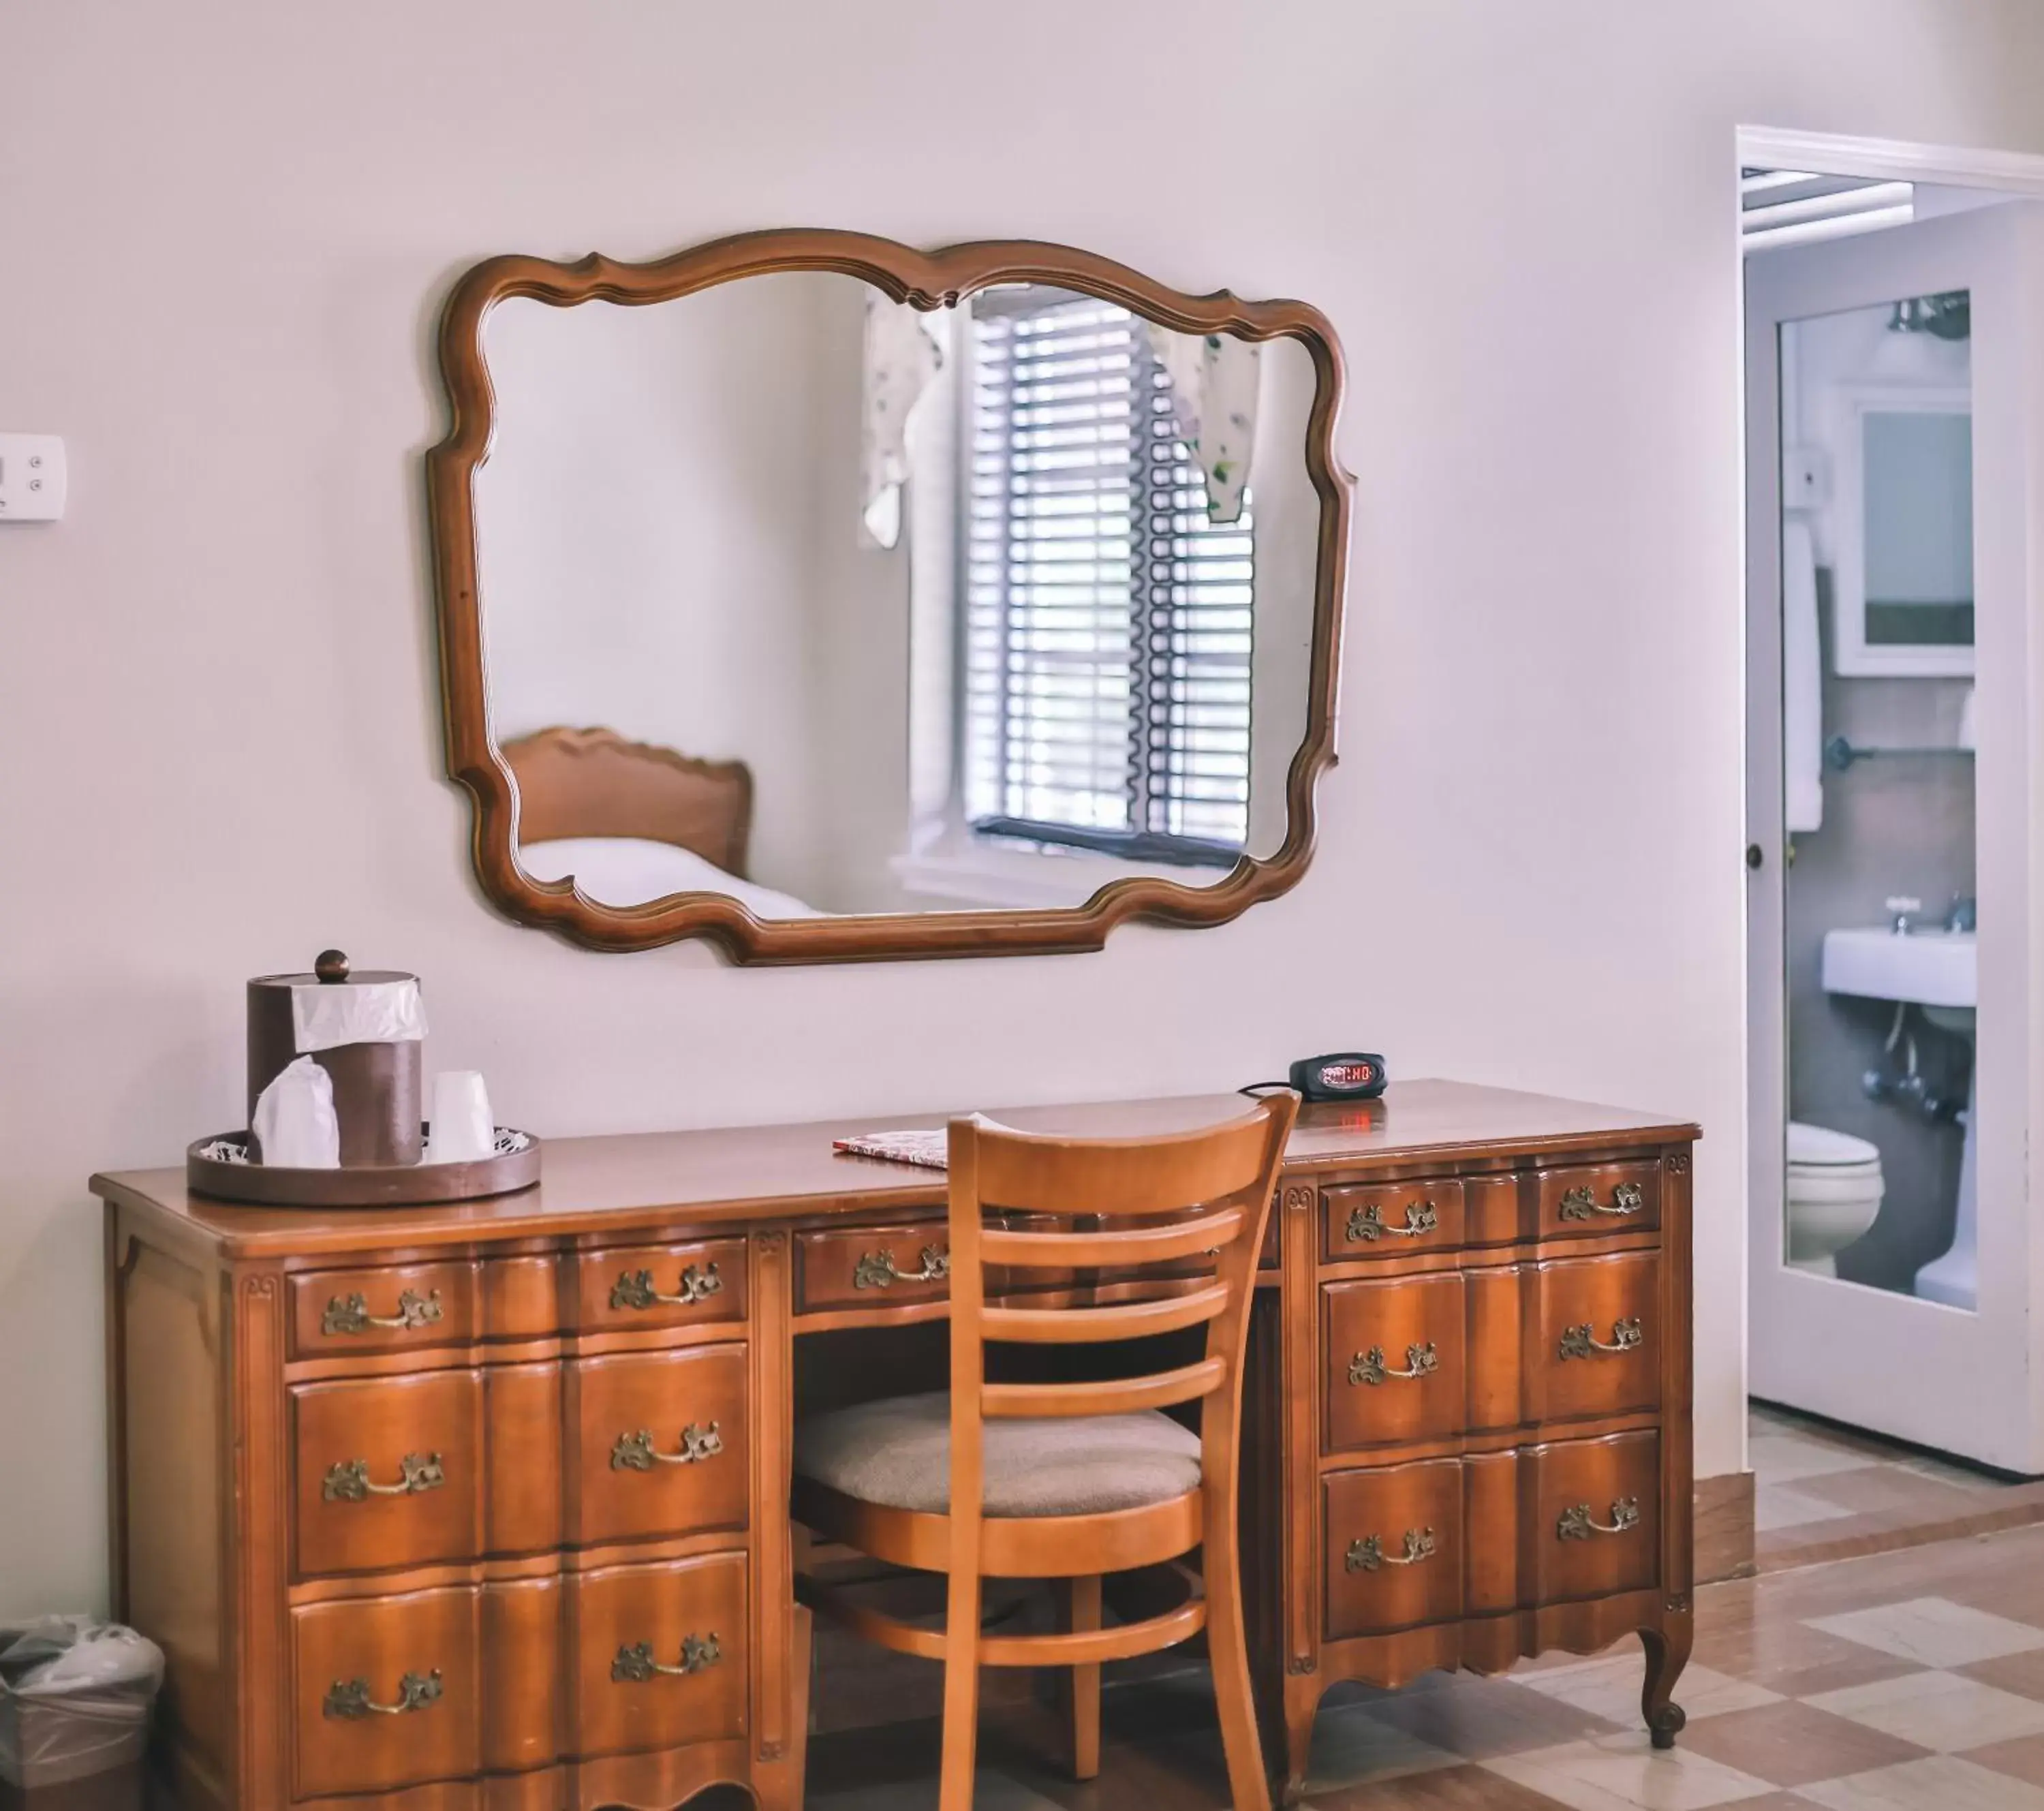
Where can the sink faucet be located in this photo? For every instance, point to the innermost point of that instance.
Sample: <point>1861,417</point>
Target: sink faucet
<point>1963,913</point>
<point>1903,907</point>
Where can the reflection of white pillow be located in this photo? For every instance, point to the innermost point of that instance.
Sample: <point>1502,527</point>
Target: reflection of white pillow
<point>629,871</point>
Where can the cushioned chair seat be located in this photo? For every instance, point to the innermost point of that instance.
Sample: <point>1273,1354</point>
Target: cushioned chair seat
<point>897,1453</point>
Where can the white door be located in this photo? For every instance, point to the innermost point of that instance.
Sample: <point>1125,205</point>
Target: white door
<point>1960,1378</point>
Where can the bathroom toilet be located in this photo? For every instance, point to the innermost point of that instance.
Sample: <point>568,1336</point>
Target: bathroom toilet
<point>1833,1193</point>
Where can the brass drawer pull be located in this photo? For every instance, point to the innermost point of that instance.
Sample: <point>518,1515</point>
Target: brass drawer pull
<point>1626,1199</point>
<point>1369,1367</point>
<point>349,1699</point>
<point>1576,1523</point>
<point>634,1288</point>
<point>634,1453</point>
<point>1367,1554</point>
<point>875,1270</point>
<point>635,1662</point>
<point>349,1481</point>
<point>349,1314</point>
<point>1581,1342</point>
<point>1365,1224</point>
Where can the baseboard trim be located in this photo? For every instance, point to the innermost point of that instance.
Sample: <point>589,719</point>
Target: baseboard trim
<point>1724,1539</point>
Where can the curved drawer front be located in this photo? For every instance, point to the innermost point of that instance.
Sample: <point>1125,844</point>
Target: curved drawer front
<point>1395,1548</point>
<point>873,1267</point>
<point>388,1470</point>
<point>387,1692</point>
<point>393,1307</point>
<point>1596,1526</point>
<point>696,1283</point>
<point>659,1444</point>
<point>659,1654</point>
<point>1391,1219</point>
<point>1597,1349</point>
<point>1394,1360</point>
<point>1593,1201</point>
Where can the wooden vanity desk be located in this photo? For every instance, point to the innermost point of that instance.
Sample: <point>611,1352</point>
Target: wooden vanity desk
<point>484,1508</point>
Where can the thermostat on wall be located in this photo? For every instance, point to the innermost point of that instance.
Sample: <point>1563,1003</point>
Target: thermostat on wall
<point>31,478</point>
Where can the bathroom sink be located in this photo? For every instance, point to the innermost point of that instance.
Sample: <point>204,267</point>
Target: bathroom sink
<point>1928,968</point>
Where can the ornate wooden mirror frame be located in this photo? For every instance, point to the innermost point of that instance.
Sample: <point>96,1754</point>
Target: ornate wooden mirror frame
<point>925,280</point>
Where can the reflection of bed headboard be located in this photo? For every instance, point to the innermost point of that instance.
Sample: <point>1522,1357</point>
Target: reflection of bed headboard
<point>592,782</point>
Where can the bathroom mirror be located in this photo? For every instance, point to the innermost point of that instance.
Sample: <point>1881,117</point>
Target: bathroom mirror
<point>1904,432</point>
<point>833,601</point>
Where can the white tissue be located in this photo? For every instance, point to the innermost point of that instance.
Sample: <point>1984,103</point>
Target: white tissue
<point>324,1017</point>
<point>463,1131</point>
<point>295,1123</point>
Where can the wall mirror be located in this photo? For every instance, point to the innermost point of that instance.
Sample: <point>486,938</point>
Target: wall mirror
<point>836,600</point>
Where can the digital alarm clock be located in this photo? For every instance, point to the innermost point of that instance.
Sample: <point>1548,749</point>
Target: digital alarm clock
<point>1348,1075</point>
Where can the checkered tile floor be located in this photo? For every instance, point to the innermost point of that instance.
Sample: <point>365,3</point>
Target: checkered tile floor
<point>1911,1681</point>
<point>1823,1492</point>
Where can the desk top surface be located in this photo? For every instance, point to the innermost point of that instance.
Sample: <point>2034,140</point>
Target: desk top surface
<point>749,1173</point>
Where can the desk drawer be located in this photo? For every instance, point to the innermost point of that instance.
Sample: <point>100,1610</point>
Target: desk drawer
<point>1596,1347</point>
<point>684,1284</point>
<point>659,1446</point>
<point>1396,1360</point>
<point>389,1308</point>
<point>872,1266</point>
<point>1592,1201</point>
<point>1394,1548</point>
<point>659,1654</point>
<point>388,1471</point>
<point>1394,1219</point>
<point>1596,1526</point>
<point>387,1693</point>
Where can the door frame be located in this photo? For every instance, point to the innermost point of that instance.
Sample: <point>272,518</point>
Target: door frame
<point>2019,175</point>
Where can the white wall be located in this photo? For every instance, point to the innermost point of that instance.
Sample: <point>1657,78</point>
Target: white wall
<point>227,228</point>
<point>666,530</point>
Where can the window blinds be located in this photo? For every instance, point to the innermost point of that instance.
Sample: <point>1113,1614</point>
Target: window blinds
<point>1109,624</point>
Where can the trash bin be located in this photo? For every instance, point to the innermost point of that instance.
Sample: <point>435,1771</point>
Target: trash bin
<point>74,1700</point>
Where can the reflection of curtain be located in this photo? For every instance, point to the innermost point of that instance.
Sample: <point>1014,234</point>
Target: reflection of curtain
<point>901,356</point>
<point>1213,399</point>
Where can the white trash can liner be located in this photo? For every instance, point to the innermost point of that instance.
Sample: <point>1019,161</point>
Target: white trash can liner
<point>76,1695</point>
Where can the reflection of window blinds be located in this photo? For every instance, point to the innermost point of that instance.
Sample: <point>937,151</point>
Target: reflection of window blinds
<point>1109,622</point>
<point>1793,207</point>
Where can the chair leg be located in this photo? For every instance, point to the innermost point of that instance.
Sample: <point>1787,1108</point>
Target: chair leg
<point>1078,1612</point>
<point>1227,1652</point>
<point>960,1691</point>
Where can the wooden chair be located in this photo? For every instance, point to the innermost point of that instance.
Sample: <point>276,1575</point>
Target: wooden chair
<point>1067,1481</point>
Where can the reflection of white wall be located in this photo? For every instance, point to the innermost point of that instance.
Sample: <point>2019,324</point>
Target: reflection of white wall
<point>666,526</point>
<point>1288,533</point>
<point>1833,354</point>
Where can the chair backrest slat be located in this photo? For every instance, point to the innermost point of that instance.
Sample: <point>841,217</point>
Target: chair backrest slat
<point>1117,1395</point>
<point>1203,1233</point>
<point>1091,1326</point>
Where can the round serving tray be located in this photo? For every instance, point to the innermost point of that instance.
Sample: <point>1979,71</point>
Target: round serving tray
<point>219,1167</point>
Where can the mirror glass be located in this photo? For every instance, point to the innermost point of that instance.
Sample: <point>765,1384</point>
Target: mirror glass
<point>797,593</point>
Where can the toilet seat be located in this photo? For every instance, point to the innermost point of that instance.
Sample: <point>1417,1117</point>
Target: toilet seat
<point>1819,1147</point>
<point>1834,1189</point>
